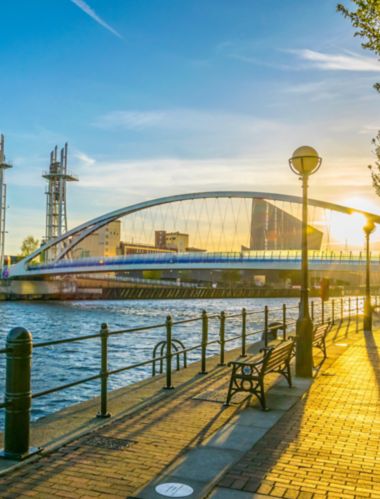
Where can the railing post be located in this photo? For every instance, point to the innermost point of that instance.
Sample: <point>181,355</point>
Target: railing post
<point>266,314</point>
<point>169,325</point>
<point>204,341</point>
<point>284,325</point>
<point>104,372</point>
<point>322,311</point>
<point>341,310</point>
<point>221,337</point>
<point>312,311</point>
<point>18,395</point>
<point>333,311</point>
<point>243,331</point>
<point>357,307</point>
<point>349,308</point>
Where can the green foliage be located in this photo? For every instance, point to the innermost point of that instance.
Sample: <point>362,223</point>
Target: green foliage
<point>366,21</point>
<point>376,176</point>
<point>29,245</point>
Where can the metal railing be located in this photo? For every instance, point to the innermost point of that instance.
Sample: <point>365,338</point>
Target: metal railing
<point>210,257</point>
<point>262,324</point>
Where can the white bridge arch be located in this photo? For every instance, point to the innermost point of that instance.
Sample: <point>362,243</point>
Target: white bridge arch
<point>73,237</point>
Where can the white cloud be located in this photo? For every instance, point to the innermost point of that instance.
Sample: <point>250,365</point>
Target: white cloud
<point>90,12</point>
<point>133,120</point>
<point>245,51</point>
<point>338,62</point>
<point>84,159</point>
<point>184,119</point>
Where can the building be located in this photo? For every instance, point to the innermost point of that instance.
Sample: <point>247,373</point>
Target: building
<point>176,241</point>
<point>137,249</point>
<point>160,239</point>
<point>103,242</point>
<point>275,229</point>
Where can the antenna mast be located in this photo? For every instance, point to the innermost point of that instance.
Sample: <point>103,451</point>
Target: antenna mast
<point>56,207</point>
<point>3,199</point>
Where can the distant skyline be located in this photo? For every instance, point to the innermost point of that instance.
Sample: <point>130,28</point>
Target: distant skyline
<point>158,98</point>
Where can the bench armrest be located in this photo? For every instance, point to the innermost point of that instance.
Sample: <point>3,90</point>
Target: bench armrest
<point>242,363</point>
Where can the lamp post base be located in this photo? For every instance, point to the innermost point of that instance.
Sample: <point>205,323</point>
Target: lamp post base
<point>304,347</point>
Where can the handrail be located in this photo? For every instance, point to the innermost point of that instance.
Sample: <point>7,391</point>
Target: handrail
<point>170,348</point>
<point>215,257</point>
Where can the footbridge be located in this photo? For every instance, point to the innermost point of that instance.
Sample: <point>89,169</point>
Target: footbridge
<point>320,261</point>
<point>223,225</point>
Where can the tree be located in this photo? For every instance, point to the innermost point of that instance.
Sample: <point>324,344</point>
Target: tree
<point>366,20</point>
<point>376,176</point>
<point>29,245</point>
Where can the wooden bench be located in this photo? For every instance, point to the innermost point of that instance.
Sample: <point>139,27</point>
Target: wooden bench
<point>249,376</point>
<point>319,337</point>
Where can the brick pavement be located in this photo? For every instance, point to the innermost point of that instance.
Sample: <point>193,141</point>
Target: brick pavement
<point>328,444</point>
<point>308,451</point>
<point>158,434</point>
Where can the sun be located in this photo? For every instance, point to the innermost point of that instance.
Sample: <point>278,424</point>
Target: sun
<point>346,231</point>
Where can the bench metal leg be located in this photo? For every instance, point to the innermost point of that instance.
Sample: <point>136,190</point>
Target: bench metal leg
<point>324,350</point>
<point>289,375</point>
<point>261,395</point>
<point>229,394</point>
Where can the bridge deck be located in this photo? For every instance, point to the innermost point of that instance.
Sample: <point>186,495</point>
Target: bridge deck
<point>290,260</point>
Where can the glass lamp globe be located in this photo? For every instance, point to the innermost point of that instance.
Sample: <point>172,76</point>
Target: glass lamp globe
<point>305,160</point>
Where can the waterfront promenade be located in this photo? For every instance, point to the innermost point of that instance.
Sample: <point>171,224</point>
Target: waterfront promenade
<point>313,443</point>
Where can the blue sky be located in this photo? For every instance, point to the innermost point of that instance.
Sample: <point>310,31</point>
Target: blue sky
<point>169,96</point>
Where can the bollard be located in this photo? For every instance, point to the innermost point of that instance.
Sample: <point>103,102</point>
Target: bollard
<point>204,341</point>
<point>221,337</point>
<point>169,324</point>
<point>243,331</point>
<point>322,311</point>
<point>18,395</point>
<point>312,311</point>
<point>103,372</point>
<point>332,311</point>
<point>284,326</point>
<point>266,325</point>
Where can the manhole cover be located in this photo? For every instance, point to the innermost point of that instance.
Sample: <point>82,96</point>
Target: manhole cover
<point>109,442</point>
<point>174,490</point>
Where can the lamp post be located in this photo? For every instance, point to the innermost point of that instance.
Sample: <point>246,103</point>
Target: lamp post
<point>368,228</point>
<point>304,162</point>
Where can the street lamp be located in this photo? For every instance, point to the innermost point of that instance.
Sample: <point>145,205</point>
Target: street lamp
<point>368,228</point>
<point>304,162</point>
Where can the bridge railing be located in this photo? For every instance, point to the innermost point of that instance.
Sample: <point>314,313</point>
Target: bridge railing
<point>235,330</point>
<point>207,257</point>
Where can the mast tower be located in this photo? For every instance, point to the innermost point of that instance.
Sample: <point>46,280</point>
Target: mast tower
<point>3,198</point>
<point>56,206</point>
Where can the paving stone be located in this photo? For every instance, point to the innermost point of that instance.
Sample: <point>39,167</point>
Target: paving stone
<point>221,493</point>
<point>235,437</point>
<point>257,418</point>
<point>204,463</point>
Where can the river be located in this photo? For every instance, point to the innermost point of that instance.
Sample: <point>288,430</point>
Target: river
<point>61,364</point>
